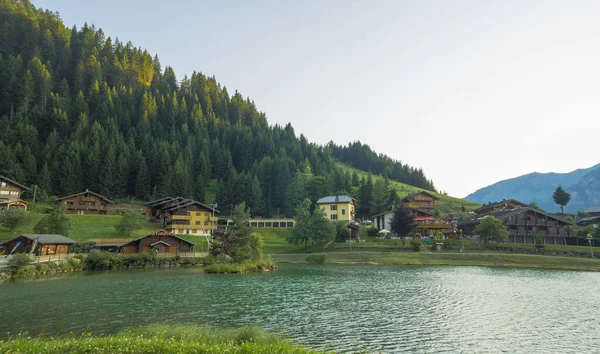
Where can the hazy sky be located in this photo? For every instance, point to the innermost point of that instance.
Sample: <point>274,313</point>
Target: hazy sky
<point>471,91</point>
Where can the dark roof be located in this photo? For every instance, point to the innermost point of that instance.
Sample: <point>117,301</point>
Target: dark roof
<point>335,199</point>
<point>45,239</point>
<point>160,233</point>
<point>353,226</point>
<point>421,192</point>
<point>384,213</point>
<point>494,204</point>
<point>90,192</point>
<point>186,203</point>
<point>158,201</point>
<point>588,220</point>
<point>506,213</point>
<point>13,182</point>
<point>593,209</point>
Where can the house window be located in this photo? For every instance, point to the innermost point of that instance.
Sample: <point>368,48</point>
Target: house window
<point>198,213</point>
<point>206,223</point>
<point>194,231</point>
<point>92,203</point>
<point>529,218</point>
<point>3,184</point>
<point>333,207</point>
<point>343,211</point>
<point>180,231</point>
<point>529,227</point>
<point>333,217</point>
<point>197,222</point>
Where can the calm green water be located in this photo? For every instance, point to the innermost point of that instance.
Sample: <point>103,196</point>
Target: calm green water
<point>388,309</point>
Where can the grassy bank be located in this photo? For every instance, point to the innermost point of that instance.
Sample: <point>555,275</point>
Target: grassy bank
<point>159,339</point>
<point>451,258</point>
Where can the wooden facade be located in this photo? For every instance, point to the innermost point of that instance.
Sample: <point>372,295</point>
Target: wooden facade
<point>155,208</point>
<point>160,242</point>
<point>504,205</point>
<point>38,244</point>
<point>421,200</point>
<point>86,203</point>
<point>189,217</point>
<point>10,194</point>
<point>525,224</point>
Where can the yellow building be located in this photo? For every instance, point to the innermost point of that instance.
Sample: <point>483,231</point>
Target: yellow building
<point>338,207</point>
<point>189,217</point>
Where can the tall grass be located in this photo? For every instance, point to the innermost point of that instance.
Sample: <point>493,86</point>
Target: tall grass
<point>159,339</point>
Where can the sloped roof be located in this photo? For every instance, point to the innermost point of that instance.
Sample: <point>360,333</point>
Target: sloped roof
<point>90,192</point>
<point>158,201</point>
<point>494,204</point>
<point>384,213</point>
<point>45,239</point>
<point>6,179</point>
<point>160,233</point>
<point>335,199</point>
<point>421,192</point>
<point>593,209</point>
<point>506,213</point>
<point>186,203</point>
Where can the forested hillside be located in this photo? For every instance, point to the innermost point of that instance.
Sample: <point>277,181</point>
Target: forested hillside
<point>79,110</point>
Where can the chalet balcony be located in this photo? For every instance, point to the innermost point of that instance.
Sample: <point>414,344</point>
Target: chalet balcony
<point>189,227</point>
<point>179,217</point>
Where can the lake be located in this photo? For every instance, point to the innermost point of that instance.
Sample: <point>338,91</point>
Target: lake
<point>349,308</point>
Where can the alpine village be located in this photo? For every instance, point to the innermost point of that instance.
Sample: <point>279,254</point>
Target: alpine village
<point>106,154</point>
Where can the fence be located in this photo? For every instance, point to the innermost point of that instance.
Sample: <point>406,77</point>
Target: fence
<point>59,257</point>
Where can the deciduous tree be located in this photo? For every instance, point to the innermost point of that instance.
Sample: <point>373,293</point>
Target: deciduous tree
<point>490,230</point>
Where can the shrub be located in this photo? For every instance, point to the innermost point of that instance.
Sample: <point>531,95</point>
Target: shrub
<point>539,242</point>
<point>316,259</point>
<point>448,244</point>
<point>373,232</point>
<point>97,260</point>
<point>43,268</point>
<point>415,245</point>
<point>19,261</point>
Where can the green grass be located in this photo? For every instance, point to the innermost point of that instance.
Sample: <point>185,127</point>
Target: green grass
<point>453,259</point>
<point>166,338</point>
<point>275,240</point>
<point>84,227</point>
<point>447,203</point>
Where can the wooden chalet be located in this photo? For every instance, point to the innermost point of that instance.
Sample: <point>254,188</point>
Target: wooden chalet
<point>38,244</point>
<point>504,205</point>
<point>189,217</point>
<point>10,194</point>
<point>525,224</point>
<point>160,242</point>
<point>593,210</point>
<point>86,203</point>
<point>155,207</point>
<point>110,244</point>
<point>421,200</point>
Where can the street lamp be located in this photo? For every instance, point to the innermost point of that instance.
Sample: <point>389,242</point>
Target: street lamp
<point>589,237</point>
<point>214,205</point>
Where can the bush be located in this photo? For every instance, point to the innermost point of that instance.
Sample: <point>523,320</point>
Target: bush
<point>448,245</point>
<point>97,260</point>
<point>415,245</point>
<point>316,259</point>
<point>539,242</point>
<point>372,232</point>
<point>19,261</point>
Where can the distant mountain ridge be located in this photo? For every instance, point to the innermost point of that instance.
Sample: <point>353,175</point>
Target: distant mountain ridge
<point>583,184</point>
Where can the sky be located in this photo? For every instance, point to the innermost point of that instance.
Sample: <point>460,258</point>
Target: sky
<point>473,92</point>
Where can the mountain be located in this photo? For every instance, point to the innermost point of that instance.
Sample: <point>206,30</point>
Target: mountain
<point>583,184</point>
<point>81,111</point>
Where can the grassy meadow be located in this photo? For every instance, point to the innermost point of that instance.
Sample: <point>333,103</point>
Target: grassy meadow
<point>446,202</point>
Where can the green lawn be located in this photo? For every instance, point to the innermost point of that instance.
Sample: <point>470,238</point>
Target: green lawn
<point>454,259</point>
<point>84,227</point>
<point>447,203</point>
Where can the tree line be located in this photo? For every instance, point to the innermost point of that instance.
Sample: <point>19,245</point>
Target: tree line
<point>81,111</point>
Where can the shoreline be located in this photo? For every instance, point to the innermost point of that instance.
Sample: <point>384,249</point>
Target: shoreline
<point>482,259</point>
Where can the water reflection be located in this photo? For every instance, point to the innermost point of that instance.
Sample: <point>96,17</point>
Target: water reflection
<point>389,309</point>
